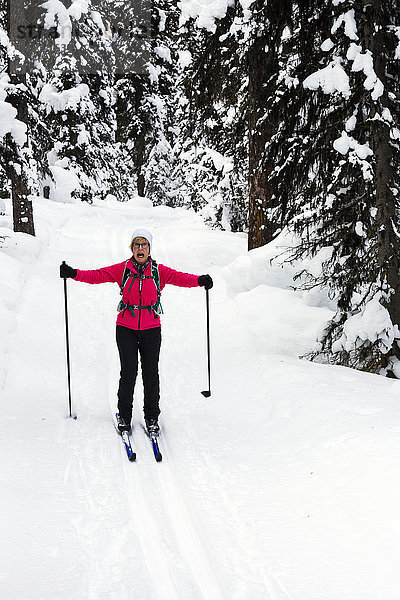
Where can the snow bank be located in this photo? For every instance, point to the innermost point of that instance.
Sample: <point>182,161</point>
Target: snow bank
<point>262,284</point>
<point>10,289</point>
<point>280,321</point>
<point>289,321</point>
<point>267,265</point>
<point>260,266</point>
<point>135,202</point>
<point>17,251</point>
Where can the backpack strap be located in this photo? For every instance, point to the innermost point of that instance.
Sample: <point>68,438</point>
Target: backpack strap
<point>155,276</point>
<point>125,276</point>
<point>157,307</point>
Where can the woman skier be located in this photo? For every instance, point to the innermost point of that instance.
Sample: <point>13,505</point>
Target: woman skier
<point>138,323</point>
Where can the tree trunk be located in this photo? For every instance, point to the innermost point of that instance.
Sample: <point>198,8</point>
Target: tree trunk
<point>260,230</point>
<point>386,203</point>
<point>266,207</point>
<point>17,167</point>
<point>22,204</point>
<point>132,122</point>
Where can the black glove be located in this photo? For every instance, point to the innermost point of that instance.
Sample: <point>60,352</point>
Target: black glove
<point>205,281</point>
<point>67,271</point>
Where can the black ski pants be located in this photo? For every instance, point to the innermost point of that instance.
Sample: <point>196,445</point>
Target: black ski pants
<point>145,343</point>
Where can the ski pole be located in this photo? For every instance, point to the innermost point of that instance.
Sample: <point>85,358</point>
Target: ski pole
<point>207,393</point>
<point>67,341</point>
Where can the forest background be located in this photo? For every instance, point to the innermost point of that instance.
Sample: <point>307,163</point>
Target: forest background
<point>277,119</point>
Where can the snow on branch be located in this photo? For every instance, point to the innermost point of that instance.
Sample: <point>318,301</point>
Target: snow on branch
<point>349,21</point>
<point>57,15</point>
<point>204,11</point>
<point>66,99</point>
<point>363,61</point>
<point>371,324</point>
<point>332,78</point>
<point>8,116</point>
<point>347,142</point>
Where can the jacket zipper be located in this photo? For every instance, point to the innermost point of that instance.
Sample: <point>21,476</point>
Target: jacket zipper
<point>140,300</point>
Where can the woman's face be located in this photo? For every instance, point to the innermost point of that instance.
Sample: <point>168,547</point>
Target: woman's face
<point>140,250</point>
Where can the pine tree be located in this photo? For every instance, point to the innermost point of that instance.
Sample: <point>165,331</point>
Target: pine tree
<point>211,150</point>
<point>145,92</point>
<point>77,100</point>
<point>268,94</point>
<point>131,26</point>
<point>345,201</point>
<point>163,103</point>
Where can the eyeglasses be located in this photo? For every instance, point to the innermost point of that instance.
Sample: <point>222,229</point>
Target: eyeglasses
<point>144,245</point>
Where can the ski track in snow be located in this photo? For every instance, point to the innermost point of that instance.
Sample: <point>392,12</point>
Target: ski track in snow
<point>163,523</point>
<point>268,490</point>
<point>173,557</point>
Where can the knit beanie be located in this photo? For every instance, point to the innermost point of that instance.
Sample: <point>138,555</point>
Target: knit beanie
<point>142,233</point>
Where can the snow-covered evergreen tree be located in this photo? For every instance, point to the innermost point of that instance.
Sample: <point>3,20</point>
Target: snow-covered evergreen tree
<point>345,200</point>
<point>271,154</point>
<point>77,100</point>
<point>131,28</point>
<point>19,166</point>
<point>164,98</point>
<point>145,98</point>
<point>211,151</point>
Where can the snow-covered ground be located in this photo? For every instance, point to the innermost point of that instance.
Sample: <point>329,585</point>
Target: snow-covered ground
<point>284,485</point>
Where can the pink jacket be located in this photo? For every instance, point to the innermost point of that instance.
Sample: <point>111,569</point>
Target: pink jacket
<point>144,318</point>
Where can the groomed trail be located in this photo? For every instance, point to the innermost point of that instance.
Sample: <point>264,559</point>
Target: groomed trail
<point>280,486</point>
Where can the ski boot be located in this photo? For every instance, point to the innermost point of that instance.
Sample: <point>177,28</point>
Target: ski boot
<point>123,424</point>
<point>152,427</point>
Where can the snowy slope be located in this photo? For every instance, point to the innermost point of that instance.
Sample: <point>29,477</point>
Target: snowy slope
<point>281,486</point>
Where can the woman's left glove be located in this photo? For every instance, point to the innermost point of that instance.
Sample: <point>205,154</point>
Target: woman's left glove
<point>67,271</point>
<point>205,281</point>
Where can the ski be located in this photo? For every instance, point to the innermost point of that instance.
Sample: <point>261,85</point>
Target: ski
<point>127,443</point>
<point>128,446</point>
<point>156,449</point>
<point>154,444</point>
